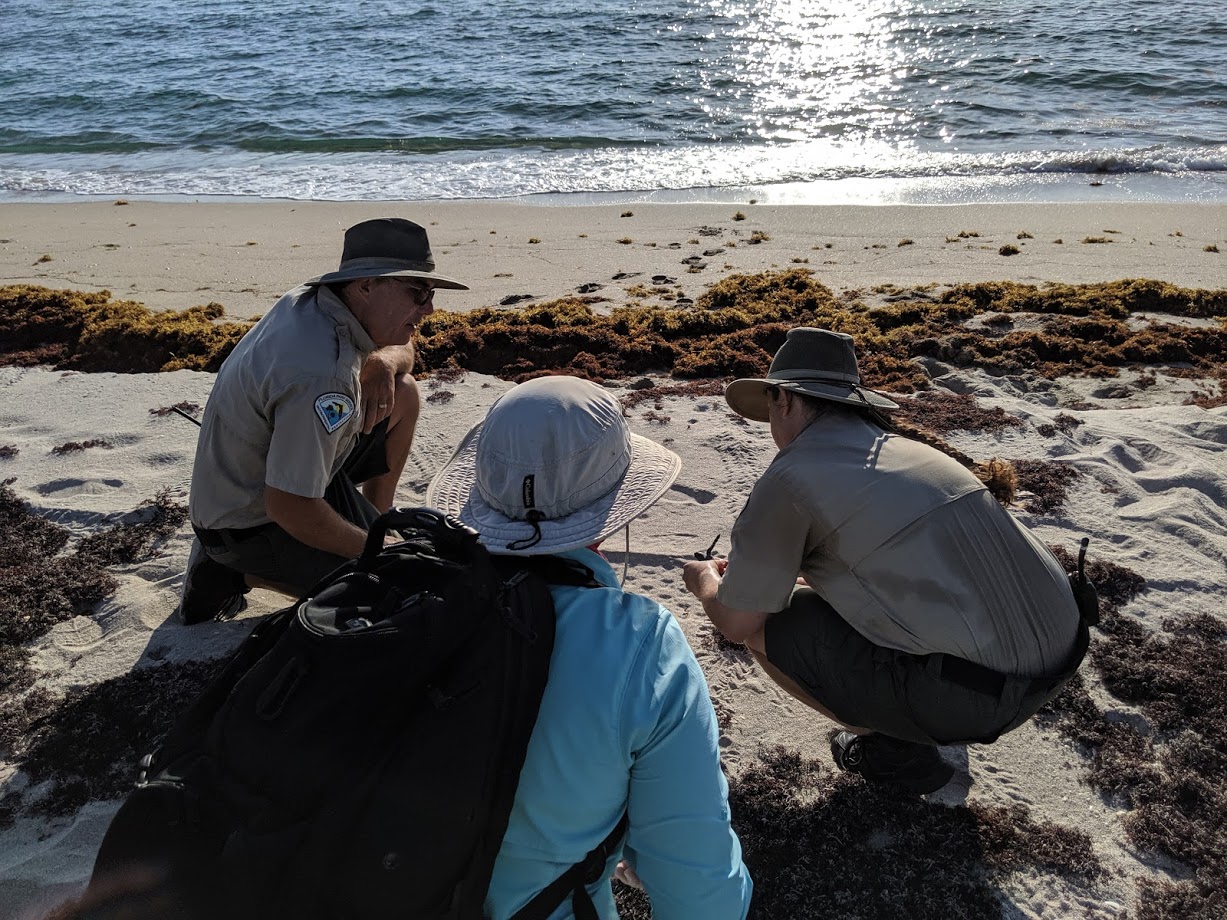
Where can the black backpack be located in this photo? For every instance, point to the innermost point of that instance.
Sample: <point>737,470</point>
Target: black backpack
<point>358,755</point>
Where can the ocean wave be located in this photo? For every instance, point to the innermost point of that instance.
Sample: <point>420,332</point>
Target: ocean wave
<point>374,173</point>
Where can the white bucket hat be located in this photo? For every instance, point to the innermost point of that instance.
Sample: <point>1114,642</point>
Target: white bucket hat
<point>552,467</point>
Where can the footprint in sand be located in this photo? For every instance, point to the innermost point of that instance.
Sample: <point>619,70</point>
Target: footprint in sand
<point>166,459</point>
<point>702,496</point>
<point>78,634</point>
<point>78,486</point>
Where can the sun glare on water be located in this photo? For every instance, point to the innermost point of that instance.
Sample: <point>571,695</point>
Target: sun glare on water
<point>816,69</point>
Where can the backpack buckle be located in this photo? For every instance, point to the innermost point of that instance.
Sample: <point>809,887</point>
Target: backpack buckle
<point>145,764</point>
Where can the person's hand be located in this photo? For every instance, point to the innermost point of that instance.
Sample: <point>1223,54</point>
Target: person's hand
<point>378,382</point>
<point>626,875</point>
<point>702,577</point>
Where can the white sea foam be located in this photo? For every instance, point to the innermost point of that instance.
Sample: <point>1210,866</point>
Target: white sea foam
<point>1173,174</point>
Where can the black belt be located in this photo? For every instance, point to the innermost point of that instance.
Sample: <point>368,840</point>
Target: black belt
<point>978,678</point>
<point>217,539</point>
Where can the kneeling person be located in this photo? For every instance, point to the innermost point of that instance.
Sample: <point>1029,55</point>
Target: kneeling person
<point>928,615</point>
<point>317,398</point>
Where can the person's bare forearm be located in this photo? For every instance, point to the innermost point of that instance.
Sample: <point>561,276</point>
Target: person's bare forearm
<point>313,521</point>
<point>400,358</point>
<point>703,581</point>
<point>734,625</point>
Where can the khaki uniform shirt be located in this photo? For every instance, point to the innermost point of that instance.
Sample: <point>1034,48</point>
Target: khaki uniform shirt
<point>907,545</point>
<point>284,411</point>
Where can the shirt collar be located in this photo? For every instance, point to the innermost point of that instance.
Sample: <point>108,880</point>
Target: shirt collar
<point>602,571</point>
<point>335,308</point>
<point>830,430</point>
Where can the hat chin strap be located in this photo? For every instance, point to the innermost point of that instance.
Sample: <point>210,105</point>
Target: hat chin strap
<point>626,557</point>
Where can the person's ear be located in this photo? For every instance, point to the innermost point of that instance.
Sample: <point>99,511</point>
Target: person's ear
<point>354,293</point>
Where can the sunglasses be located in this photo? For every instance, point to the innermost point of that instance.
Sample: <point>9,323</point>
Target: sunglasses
<point>420,293</point>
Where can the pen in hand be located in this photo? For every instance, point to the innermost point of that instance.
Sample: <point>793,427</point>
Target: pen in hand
<point>709,552</point>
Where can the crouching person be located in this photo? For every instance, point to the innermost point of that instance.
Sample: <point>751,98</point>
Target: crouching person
<point>316,400</point>
<point>927,614</point>
<point>626,725</point>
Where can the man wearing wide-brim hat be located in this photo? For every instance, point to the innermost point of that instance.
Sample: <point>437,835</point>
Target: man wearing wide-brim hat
<point>926,614</point>
<point>317,398</point>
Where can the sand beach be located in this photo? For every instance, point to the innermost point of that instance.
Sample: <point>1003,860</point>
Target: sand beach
<point>1107,806</point>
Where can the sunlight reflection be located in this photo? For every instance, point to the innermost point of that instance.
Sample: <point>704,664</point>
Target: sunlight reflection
<point>815,69</point>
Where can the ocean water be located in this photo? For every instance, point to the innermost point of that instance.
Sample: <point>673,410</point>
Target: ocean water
<point>789,100</point>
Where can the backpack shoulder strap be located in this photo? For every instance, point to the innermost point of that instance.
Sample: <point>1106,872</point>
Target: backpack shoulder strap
<point>575,880</point>
<point>554,570</point>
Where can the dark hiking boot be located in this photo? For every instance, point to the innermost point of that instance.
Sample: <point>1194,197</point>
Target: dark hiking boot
<point>882,759</point>
<point>210,590</point>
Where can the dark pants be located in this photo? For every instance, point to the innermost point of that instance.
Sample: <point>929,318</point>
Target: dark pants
<point>269,553</point>
<point>930,699</point>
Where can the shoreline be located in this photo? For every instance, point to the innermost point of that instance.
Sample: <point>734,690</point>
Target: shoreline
<point>244,255</point>
<point>337,178</point>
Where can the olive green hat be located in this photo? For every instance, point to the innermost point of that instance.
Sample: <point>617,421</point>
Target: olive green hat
<point>815,362</point>
<point>387,247</point>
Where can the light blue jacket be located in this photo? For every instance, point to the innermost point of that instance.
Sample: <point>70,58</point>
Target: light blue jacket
<point>626,723</point>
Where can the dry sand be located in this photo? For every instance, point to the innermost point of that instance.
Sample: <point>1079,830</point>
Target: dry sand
<point>173,256</point>
<point>1155,498</point>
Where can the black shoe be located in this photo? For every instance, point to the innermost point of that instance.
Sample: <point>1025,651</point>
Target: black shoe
<point>211,591</point>
<point>882,759</point>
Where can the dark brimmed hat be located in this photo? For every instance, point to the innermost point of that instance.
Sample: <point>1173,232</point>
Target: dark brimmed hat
<point>387,246</point>
<point>815,362</point>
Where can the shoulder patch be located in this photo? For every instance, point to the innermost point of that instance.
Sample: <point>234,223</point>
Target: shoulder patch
<point>334,410</point>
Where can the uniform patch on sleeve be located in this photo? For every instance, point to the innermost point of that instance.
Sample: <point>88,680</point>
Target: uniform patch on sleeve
<point>334,410</point>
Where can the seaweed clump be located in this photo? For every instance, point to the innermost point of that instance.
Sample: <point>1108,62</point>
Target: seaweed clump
<point>793,815</point>
<point>1048,481</point>
<point>41,585</point>
<point>816,843</point>
<point>1170,771</point>
<point>1085,330</point>
<point>735,327</point>
<point>88,743</point>
<point>186,406</point>
<point>942,412</point>
<point>732,329</point>
<point>90,332</point>
<point>1063,423</point>
<point>73,447</point>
